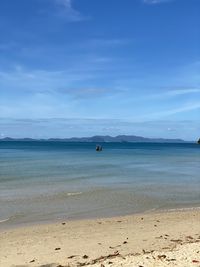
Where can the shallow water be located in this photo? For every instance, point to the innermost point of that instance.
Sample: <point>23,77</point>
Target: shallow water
<point>45,181</point>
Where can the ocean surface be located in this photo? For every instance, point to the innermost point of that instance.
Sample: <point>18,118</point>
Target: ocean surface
<point>47,181</point>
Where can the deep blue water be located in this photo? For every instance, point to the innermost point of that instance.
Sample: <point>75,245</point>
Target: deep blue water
<point>53,180</point>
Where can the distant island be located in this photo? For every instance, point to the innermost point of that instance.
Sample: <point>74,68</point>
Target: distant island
<point>101,139</point>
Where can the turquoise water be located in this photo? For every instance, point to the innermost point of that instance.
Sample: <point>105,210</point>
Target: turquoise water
<point>46,181</point>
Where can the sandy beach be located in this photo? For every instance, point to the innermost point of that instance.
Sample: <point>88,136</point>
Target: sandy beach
<point>154,239</point>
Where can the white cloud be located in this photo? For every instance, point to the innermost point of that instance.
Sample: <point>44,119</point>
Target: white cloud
<point>182,92</point>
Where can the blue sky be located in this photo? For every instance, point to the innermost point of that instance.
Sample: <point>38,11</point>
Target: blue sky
<point>84,67</point>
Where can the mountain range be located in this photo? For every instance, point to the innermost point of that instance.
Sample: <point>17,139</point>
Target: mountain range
<point>100,139</point>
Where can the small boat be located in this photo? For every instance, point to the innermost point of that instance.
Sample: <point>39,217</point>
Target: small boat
<point>198,142</point>
<point>99,148</point>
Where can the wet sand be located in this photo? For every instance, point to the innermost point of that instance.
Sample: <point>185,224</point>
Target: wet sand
<point>145,240</point>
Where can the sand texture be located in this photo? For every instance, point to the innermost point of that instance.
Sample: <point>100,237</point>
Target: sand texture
<point>145,240</point>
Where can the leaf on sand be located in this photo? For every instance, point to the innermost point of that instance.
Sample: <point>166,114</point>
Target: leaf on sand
<point>195,261</point>
<point>72,256</point>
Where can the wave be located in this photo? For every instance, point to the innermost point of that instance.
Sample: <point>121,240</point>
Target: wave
<point>42,196</point>
<point>14,217</point>
<point>74,193</point>
<point>60,195</point>
<point>4,220</point>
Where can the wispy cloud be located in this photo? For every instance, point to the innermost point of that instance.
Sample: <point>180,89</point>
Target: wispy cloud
<point>179,92</point>
<point>7,46</point>
<point>77,82</point>
<point>174,93</point>
<point>108,42</point>
<point>40,80</point>
<point>67,10</point>
<point>66,3</point>
<point>82,93</point>
<point>154,2</point>
<point>184,108</point>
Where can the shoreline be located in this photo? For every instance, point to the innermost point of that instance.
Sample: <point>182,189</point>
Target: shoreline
<point>94,241</point>
<point>14,226</point>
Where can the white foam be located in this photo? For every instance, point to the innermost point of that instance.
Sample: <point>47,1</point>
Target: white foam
<point>4,220</point>
<point>74,193</point>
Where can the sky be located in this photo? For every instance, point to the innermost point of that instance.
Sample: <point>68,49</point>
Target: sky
<point>109,67</point>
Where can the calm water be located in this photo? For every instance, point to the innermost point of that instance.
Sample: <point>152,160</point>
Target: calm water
<point>45,181</point>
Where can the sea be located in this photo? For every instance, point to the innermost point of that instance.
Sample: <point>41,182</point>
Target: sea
<point>43,181</point>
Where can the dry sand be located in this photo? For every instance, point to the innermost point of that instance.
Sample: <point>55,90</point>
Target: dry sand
<point>145,240</point>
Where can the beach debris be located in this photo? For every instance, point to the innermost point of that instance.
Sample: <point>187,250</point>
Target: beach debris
<point>102,265</point>
<point>119,221</point>
<point>147,252</point>
<point>72,256</point>
<point>63,223</point>
<point>155,225</point>
<point>189,237</point>
<point>161,257</point>
<point>115,247</point>
<point>142,218</point>
<point>32,261</point>
<point>125,242</point>
<point>100,259</point>
<point>109,256</point>
<point>81,264</point>
<point>57,248</point>
<point>85,257</point>
<point>170,259</point>
<point>195,261</point>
